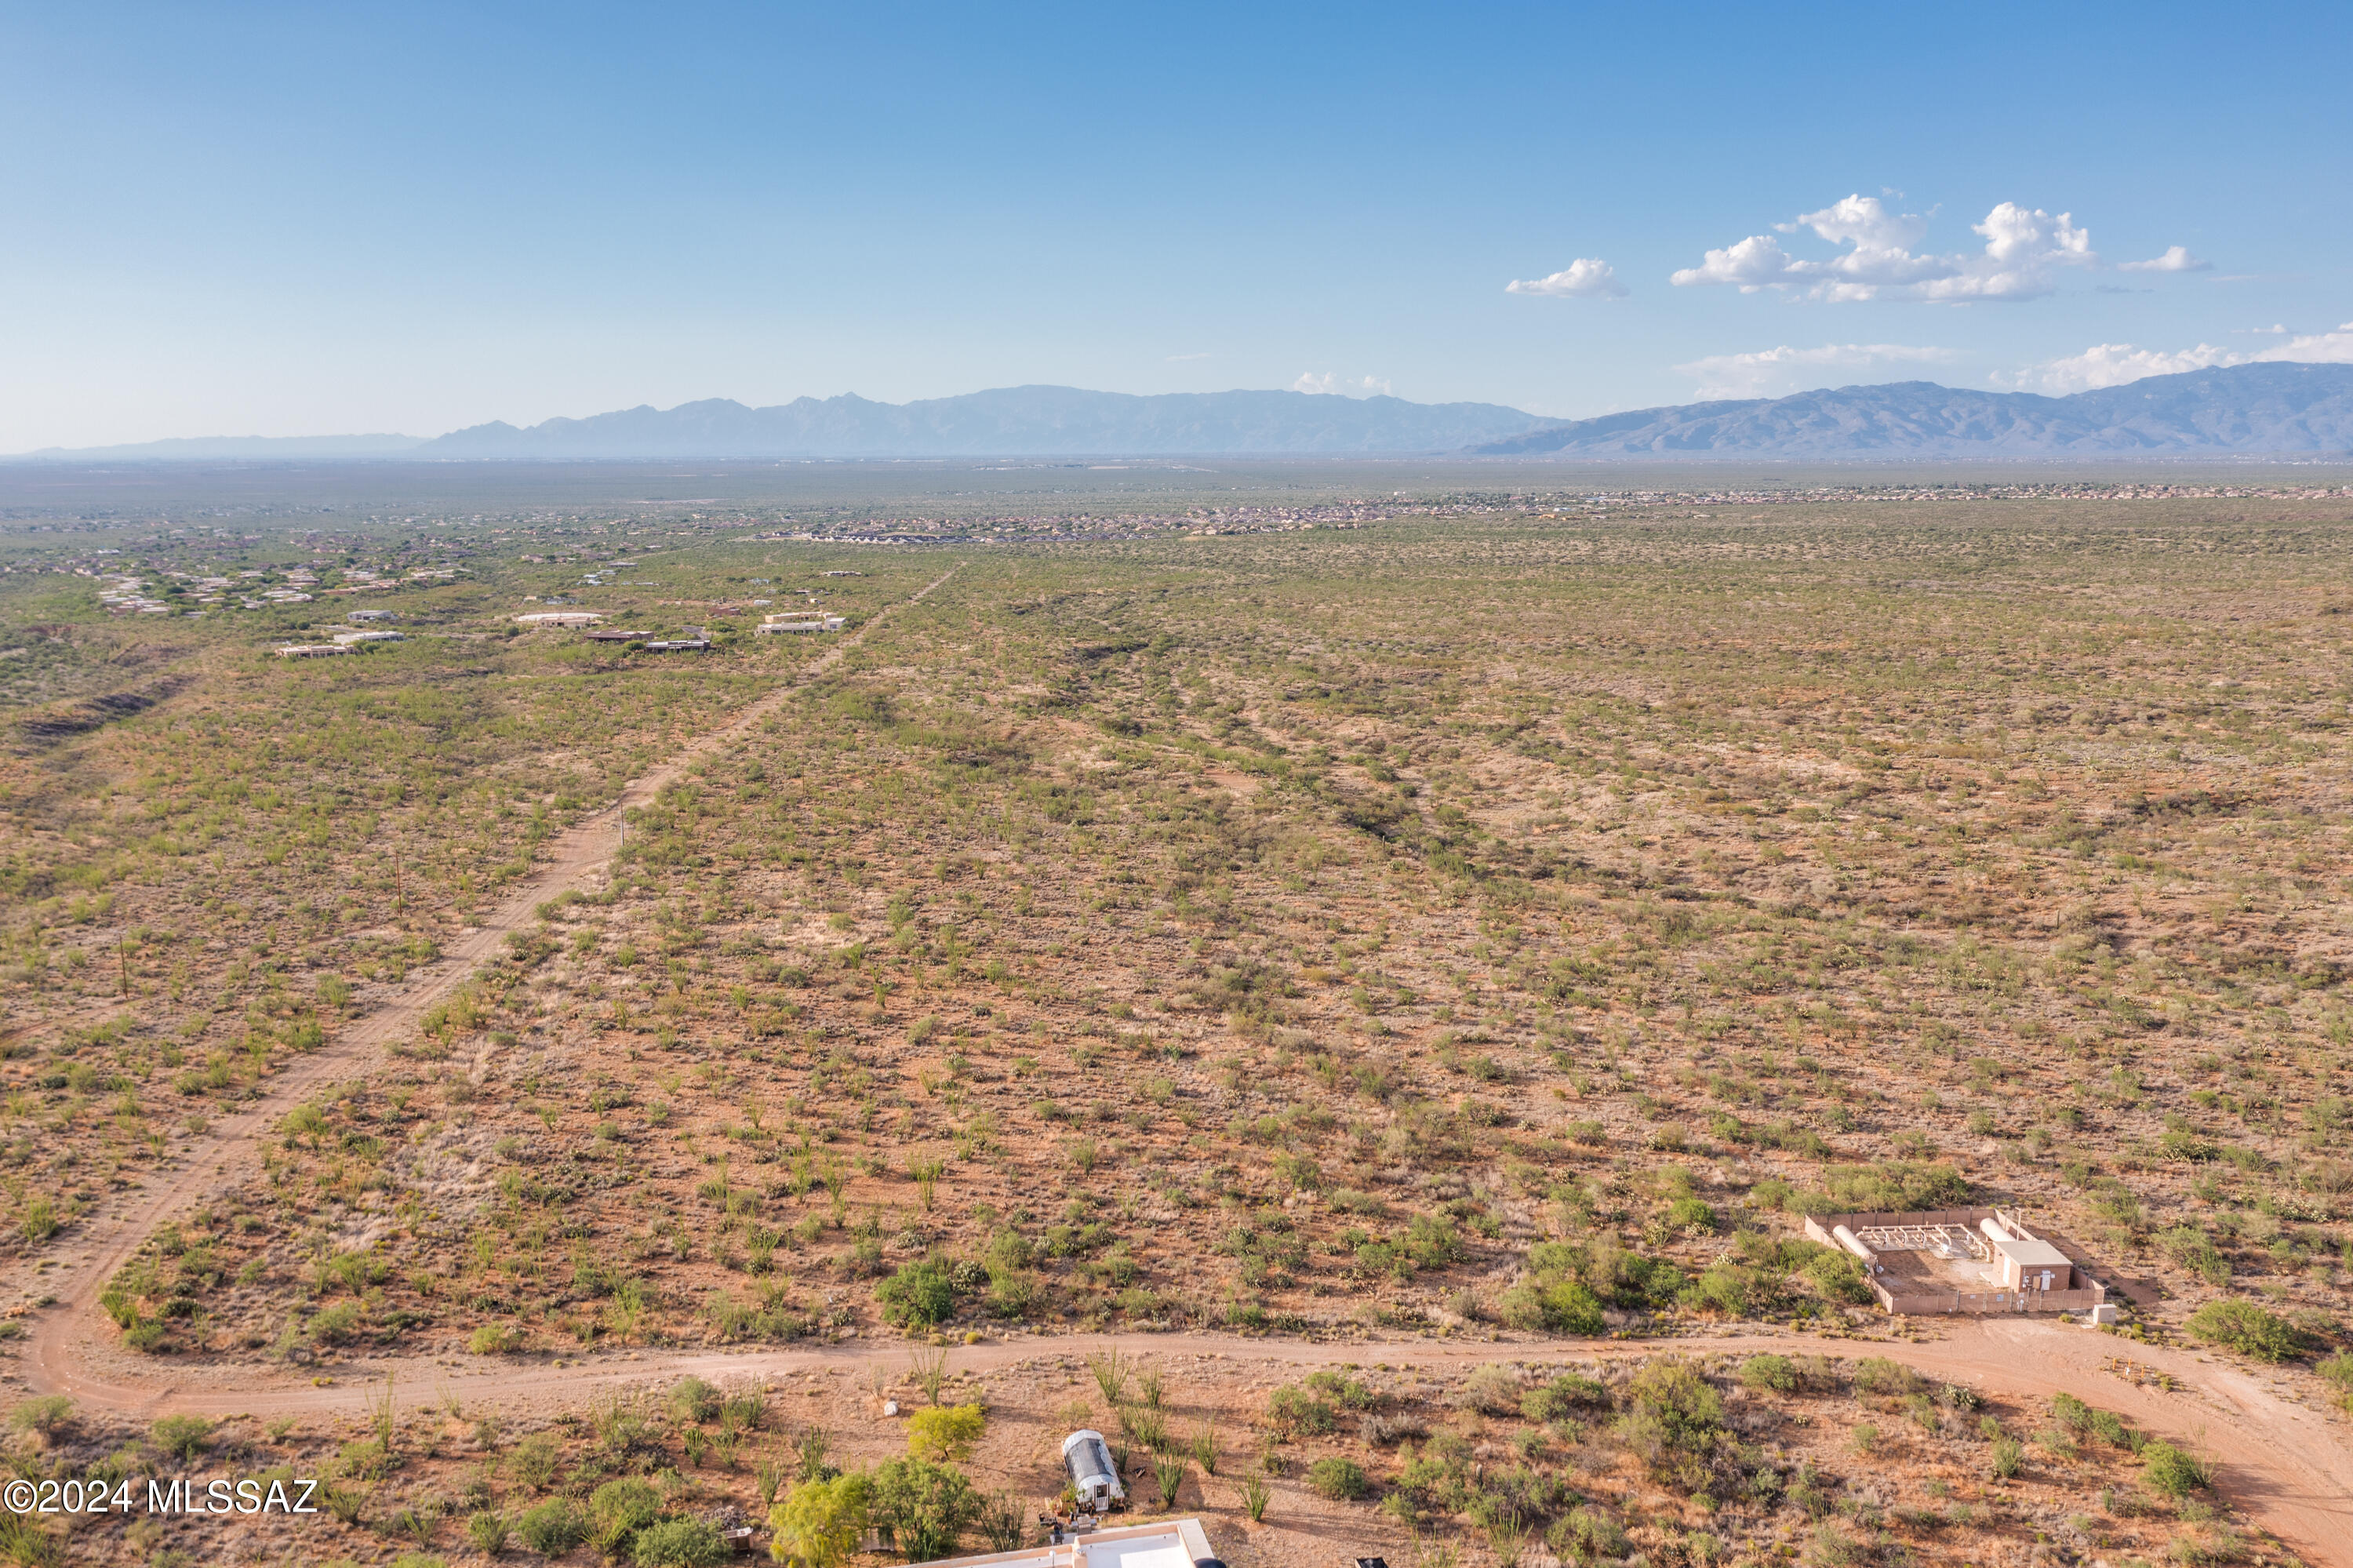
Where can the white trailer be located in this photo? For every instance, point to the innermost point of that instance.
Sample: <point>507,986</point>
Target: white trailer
<point>1094,1475</point>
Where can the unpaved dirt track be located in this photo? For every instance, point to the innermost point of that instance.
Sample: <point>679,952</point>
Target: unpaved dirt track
<point>2286,1464</point>
<point>61,1335</point>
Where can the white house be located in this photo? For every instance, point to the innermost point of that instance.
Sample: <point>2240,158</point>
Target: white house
<point>2028,1262</point>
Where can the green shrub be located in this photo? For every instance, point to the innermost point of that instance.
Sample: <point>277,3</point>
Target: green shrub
<point>1297,1413</point>
<point>2174,1473</point>
<point>1728,1287</point>
<point>1890,1185</point>
<point>618,1509</point>
<point>1779,1373</point>
<point>336,1325</point>
<point>1493,1388</point>
<point>1168,1476</point>
<point>1674,1421</point>
<point>918,1296</point>
<point>553,1527</point>
<point>1342,1480</point>
<point>2106,1424</point>
<point>183,1436</point>
<point>2194,1250</point>
<point>1559,1307</point>
<point>1588,1532</point>
<point>1891,1380</point>
<point>488,1533</point>
<point>1562,1397</point>
<point>1691,1215</point>
<point>694,1400</point>
<point>1837,1274</point>
<point>679,1543</point>
<point>2243,1327</point>
<point>535,1460</point>
<point>493,1340</point>
<point>46,1415</point>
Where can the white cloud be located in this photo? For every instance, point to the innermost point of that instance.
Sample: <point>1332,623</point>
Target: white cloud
<point>1774,371</point>
<point>2175,259</point>
<point>1587,278</point>
<point>2114,364</point>
<point>2275,329</point>
<point>1328,381</point>
<point>2319,348</point>
<point>1862,220</point>
<point>2025,248</point>
<point>1750,265</point>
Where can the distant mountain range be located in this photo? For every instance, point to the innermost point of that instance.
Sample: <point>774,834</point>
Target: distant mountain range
<point>215,448</point>
<point>2258,409</point>
<point>2271,409</point>
<point>1009,421</point>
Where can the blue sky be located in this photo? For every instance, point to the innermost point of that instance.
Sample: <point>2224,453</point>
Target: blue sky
<point>249,219</point>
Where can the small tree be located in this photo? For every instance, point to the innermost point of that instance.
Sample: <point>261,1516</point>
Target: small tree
<point>926,1507</point>
<point>946,1431</point>
<point>1000,1522</point>
<point>819,1521</point>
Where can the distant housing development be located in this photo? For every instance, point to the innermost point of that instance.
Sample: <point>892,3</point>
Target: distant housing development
<point>559,618</point>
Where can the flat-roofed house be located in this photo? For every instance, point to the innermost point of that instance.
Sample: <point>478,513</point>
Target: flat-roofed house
<point>2028,1262</point>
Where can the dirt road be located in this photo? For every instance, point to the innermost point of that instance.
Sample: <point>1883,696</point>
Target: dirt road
<point>2286,1464</point>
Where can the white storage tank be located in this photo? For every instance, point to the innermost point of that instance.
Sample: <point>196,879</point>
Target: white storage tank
<point>1088,1459</point>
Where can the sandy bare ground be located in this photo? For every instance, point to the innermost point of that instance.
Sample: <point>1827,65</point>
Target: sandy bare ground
<point>2285,1463</point>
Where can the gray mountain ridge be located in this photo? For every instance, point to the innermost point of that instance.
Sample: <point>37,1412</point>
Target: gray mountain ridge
<point>2271,409</point>
<point>232,449</point>
<point>1006,422</point>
